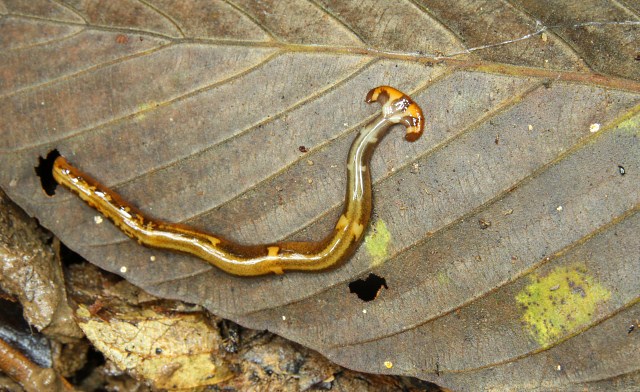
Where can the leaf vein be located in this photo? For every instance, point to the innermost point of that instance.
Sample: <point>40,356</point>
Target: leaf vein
<point>337,19</point>
<point>247,15</point>
<point>48,42</point>
<point>72,9</point>
<point>83,71</point>
<point>165,15</point>
<point>178,98</point>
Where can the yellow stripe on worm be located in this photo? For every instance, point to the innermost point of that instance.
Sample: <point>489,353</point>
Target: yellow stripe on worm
<point>253,260</point>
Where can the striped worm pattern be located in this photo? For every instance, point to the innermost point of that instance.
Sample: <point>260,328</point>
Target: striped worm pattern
<point>253,260</point>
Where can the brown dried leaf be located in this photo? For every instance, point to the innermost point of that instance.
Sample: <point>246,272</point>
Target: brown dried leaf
<point>196,112</point>
<point>259,359</point>
<point>176,351</point>
<point>30,272</point>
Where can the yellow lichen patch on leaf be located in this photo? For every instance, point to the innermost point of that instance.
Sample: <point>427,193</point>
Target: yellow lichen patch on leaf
<point>377,242</point>
<point>173,351</point>
<point>631,124</point>
<point>443,278</point>
<point>560,303</point>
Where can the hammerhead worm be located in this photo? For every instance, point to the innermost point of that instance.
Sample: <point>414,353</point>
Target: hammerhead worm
<point>253,260</point>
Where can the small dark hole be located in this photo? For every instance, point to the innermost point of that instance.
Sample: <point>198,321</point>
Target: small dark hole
<point>94,360</point>
<point>69,257</point>
<point>369,288</point>
<point>44,171</point>
<point>230,333</point>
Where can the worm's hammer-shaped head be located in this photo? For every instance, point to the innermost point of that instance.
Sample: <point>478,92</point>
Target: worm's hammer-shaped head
<point>398,108</point>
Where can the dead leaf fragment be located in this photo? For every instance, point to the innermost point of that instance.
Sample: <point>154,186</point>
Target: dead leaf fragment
<point>30,271</point>
<point>173,351</point>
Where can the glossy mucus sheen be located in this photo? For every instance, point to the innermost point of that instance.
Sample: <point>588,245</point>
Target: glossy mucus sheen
<point>253,260</point>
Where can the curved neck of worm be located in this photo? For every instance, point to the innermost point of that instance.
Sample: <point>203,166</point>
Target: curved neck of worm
<point>360,156</point>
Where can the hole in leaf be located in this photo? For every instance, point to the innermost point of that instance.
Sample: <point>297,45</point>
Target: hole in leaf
<point>369,288</point>
<point>44,171</point>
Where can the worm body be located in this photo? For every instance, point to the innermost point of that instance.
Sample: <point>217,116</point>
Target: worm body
<point>253,260</point>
